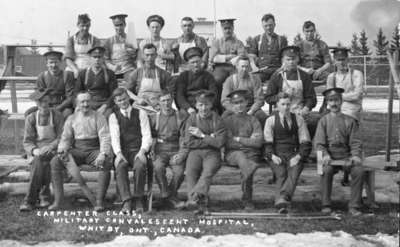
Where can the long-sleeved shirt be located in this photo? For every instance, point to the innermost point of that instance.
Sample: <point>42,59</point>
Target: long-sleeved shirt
<point>225,46</point>
<point>127,57</point>
<point>302,133</point>
<point>251,84</point>
<point>352,83</point>
<point>189,83</point>
<point>100,85</point>
<point>135,79</point>
<point>83,127</point>
<point>267,51</point>
<point>62,87</point>
<point>30,132</point>
<point>69,47</point>
<point>212,126</point>
<point>313,54</point>
<point>248,128</point>
<point>144,129</point>
<point>276,82</point>
<point>338,135</point>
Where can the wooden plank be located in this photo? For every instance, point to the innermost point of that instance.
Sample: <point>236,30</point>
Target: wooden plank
<point>18,78</point>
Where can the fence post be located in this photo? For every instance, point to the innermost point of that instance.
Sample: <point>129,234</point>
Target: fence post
<point>365,74</point>
<point>390,118</point>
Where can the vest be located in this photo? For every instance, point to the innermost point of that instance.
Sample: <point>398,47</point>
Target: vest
<point>285,141</point>
<point>130,131</point>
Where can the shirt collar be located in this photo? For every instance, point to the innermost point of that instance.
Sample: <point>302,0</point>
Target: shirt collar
<point>129,109</point>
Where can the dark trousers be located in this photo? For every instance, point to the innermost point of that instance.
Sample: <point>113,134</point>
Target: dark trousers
<point>356,183</point>
<point>248,165</point>
<point>39,180</point>
<point>201,166</point>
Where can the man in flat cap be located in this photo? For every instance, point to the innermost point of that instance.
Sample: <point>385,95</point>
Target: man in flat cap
<point>222,51</point>
<point>190,82</point>
<point>165,57</point>
<point>120,53</point>
<point>168,149</point>
<point>76,50</point>
<point>131,141</point>
<point>148,81</point>
<point>61,83</point>
<point>338,139</point>
<point>244,80</point>
<point>187,40</point>
<point>244,141</point>
<point>288,145</point>
<point>296,83</point>
<point>266,47</point>
<point>99,81</point>
<point>42,132</point>
<point>204,137</point>
<point>85,140</point>
<point>314,53</point>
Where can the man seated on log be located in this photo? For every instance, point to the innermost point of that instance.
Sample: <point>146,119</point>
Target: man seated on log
<point>61,82</point>
<point>43,129</point>
<point>99,81</point>
<point>288,145</point>
<point>244,141</point>
<point>338,139</point>
<point>85,140</point>
<point>168,150</point>
<point>244,80</point>
<point>130,140</point>
<point>204,136</point>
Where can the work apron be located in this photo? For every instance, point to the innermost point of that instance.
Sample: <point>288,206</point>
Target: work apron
<point>150,89</point>
<point>183,46</point>
<point>45,133</point>
<point>82,58</point>
<point>295,89</point>
<point>121,55</point>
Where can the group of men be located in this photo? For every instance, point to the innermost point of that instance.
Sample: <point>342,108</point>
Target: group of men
<point>83,116</point>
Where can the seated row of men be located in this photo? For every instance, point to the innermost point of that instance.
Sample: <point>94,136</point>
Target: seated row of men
<point>189,143</point>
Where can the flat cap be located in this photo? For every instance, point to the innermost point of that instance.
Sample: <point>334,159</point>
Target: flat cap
<point>51,53</point>
<point>238,93</point>
<point>205,96</point>
<point>333,91</point>
<point>118,16</point>
<point>227,22</point>
<point>156,18</point>
<point>290,51</point>
<point>97,50</point>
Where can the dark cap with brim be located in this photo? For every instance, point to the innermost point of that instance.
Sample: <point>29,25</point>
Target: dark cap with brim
<point>340,52</point>
<point>97,50</point>
<point>334,91</point>
<point>290,51</point>
<point>119,16</point>
<point>39,94</point>
<point>205,96</point>
<point>57,54</point>
<point>156,18</point>
<point>192,52</point>
<point>238,93</point>
<point>227,22</point>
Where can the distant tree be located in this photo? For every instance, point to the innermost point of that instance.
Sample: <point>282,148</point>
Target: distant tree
<point>364,49</point>
<point>355,49</point>
<point>380,43</point>
<point>297,38</point>
<point>395,43</point>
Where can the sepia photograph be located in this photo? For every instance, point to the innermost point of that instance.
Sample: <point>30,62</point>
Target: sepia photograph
<point>200,123</point>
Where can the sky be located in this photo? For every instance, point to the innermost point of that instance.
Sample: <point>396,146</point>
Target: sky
<point>50,20</point>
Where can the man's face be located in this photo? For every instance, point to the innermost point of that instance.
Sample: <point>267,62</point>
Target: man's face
<point>83,101</point>
<point>290,62</point>
<point>149,55</point>
<point>243,67</point>
<point>204,108</point>
<point>43,104</point>
<point>165,103</point>
<point>228,31</point>
<point>239,104</point>
<point>195,64</point>
<point>155,28</point>
<point>53,64</point>
<point>283,106</point>
<point>187,27</point>
<point>84,27</point>
<point>268,26</point>
<point>334,103</point>
<point>122,101</point>
<point>341,63</point>
<point>309,33</point>
<point>119,26</point>
<point>97,60</point>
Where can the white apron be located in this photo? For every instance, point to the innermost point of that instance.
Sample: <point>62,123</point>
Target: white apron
<point>82,59</point>
<point>46,133</point>
<point>295,89</point>
<point>121,54</point>
<point>150,89</point>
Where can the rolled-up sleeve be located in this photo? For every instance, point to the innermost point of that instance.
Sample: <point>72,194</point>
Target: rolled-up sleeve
<point>67,135</point>
<point>104,134</point>
<point>147,140</point>
<point>320,141</point>
<point>269,137</point>
<point>357,92</point>
<point>304,138</point>
<point>30,134</point>
<point>114,133</point>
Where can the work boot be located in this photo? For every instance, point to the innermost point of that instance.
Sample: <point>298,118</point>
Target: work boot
<point>355,212</point>
<point>58,188</point>
<point>103,182</point>
<point>326,210</point>
<point>127,207</point>
<point>281,202</point>
<point>26,207</point>
<point>44,203</point>
<point>176,203</point>
<point>139,207</point>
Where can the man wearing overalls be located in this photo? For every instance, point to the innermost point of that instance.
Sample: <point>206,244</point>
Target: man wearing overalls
<point>85,140</point>
<point>315,57</point>
<point>99,81</point>
<point>244,141</point>
<point>42,132</point>
<point>205,135</point>
<point>338,139</point>
<point>61,82</point>
<point>288,145</point>
<point>266,47</point>
<point>148,81</point>
<point>76,50</point>
<point>130,140</point>
<point>120,54</point>
<point>168,149</point>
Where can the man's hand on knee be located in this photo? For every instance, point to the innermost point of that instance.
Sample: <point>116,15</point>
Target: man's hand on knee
<point>355,161</point>
<point>99,162</point>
